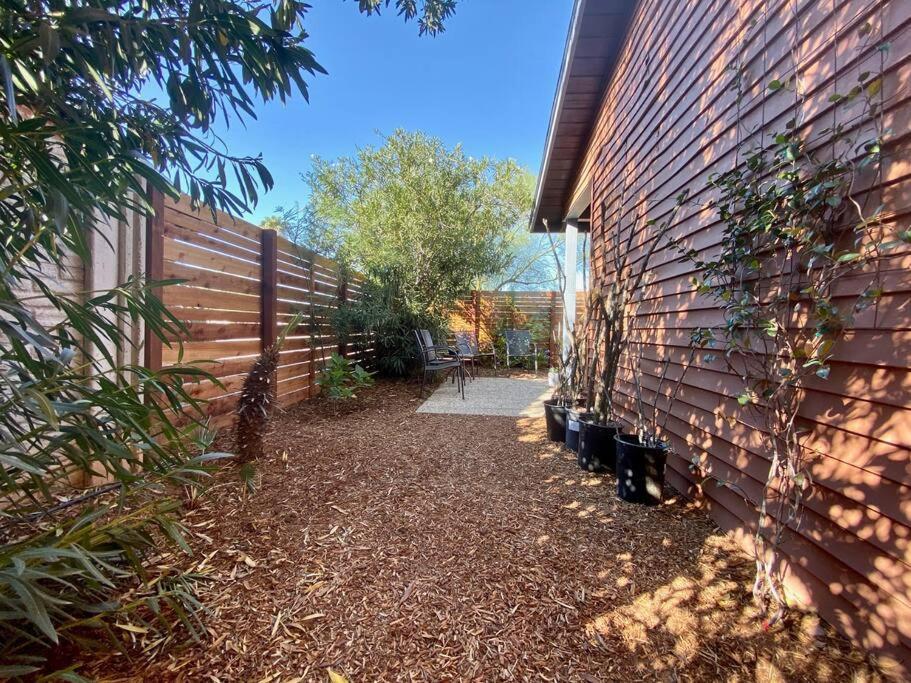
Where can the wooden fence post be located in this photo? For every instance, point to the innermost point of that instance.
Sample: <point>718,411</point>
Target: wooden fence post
<point>342,298</point>
<point>476,296</point>
<point>312,388</point>
<point>268,294</point>
<point>154,270</point>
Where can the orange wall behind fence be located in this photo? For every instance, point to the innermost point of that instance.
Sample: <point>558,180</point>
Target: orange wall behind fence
<point>238,278</point>
<point>666,122</point>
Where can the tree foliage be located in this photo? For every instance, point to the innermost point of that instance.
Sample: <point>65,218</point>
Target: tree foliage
<point>435,217</point>
<point>301,225</point>
<point>431,15</point>
<point>383,321</point>
<point>81,139</point>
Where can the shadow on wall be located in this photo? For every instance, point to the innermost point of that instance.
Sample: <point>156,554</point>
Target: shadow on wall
<point>851,554</point>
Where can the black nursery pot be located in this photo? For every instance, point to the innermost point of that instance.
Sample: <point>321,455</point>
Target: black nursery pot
<point>640,470</point>
<point>573,422</point>
<point>555,416</point>
<point>597,448</point>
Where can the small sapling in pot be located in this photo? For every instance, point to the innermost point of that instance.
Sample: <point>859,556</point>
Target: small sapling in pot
<point>642,457</point>
<point>597,426</point>
<point>559,410</point>
<point>561,400</point>
<point>609,323</point>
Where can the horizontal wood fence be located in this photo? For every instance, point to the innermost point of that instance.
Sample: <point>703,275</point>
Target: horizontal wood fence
<point>240,286</point>
<point>487,313</point>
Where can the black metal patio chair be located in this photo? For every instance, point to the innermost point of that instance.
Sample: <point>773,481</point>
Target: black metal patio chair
<point>470,350</point>
<point>520,345</point>
<point>439,358</point>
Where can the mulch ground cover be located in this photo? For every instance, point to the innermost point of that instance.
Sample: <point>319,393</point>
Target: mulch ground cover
<point>385,545</point>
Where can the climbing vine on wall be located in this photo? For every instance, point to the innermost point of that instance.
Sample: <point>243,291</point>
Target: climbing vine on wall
<point>802,226</point>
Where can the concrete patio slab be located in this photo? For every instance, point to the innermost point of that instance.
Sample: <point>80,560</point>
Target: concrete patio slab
<point>506,396</point>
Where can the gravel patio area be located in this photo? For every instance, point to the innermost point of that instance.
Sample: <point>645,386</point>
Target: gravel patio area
<point>503,396</point>
<point>387,544</point>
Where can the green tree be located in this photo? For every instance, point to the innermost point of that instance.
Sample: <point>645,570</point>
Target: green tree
<point>81,137</point>
<point>301,225</point>
<point>435,218</point>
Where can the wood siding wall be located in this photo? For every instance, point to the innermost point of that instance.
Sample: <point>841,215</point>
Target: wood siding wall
<point>667,122</point>
<point>240,286</point>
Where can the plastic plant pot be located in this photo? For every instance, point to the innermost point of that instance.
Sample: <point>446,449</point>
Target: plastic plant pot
<point>640,470</point>
<point>555,416</point>
<point>597,448</point>
<point>573,422</point>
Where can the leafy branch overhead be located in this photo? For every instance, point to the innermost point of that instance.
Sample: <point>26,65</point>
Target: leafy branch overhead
<point>102,97</point>
<point>98,102</point>
<point>432,14</point>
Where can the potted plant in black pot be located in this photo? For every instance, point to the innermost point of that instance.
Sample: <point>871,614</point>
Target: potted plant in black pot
<point>597,427</point>
<point>555,417</point>
<point>564,396</point>
<point>642,456</point>
<point>562,404</point>
<point>630,247</point>
<point>586,338</point>
<point>609,324</point>
<point>579,368</point>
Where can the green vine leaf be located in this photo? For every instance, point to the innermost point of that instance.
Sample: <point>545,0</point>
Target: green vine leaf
<point>874,87</point>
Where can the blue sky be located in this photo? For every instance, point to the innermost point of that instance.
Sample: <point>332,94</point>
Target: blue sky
<point>487,82</point>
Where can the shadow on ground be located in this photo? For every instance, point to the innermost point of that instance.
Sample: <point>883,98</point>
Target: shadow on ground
<point>389,545</point>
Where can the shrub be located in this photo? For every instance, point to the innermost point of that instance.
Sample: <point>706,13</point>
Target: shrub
<point>71,558</point>
<point>256,403</point>
<point>382,321</point>
<point>341,377</point>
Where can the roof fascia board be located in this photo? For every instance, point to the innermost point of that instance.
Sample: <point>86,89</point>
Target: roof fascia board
<point>568,52</point>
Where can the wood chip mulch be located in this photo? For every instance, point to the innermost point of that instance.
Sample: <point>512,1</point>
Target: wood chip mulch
<point>385,545</point>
